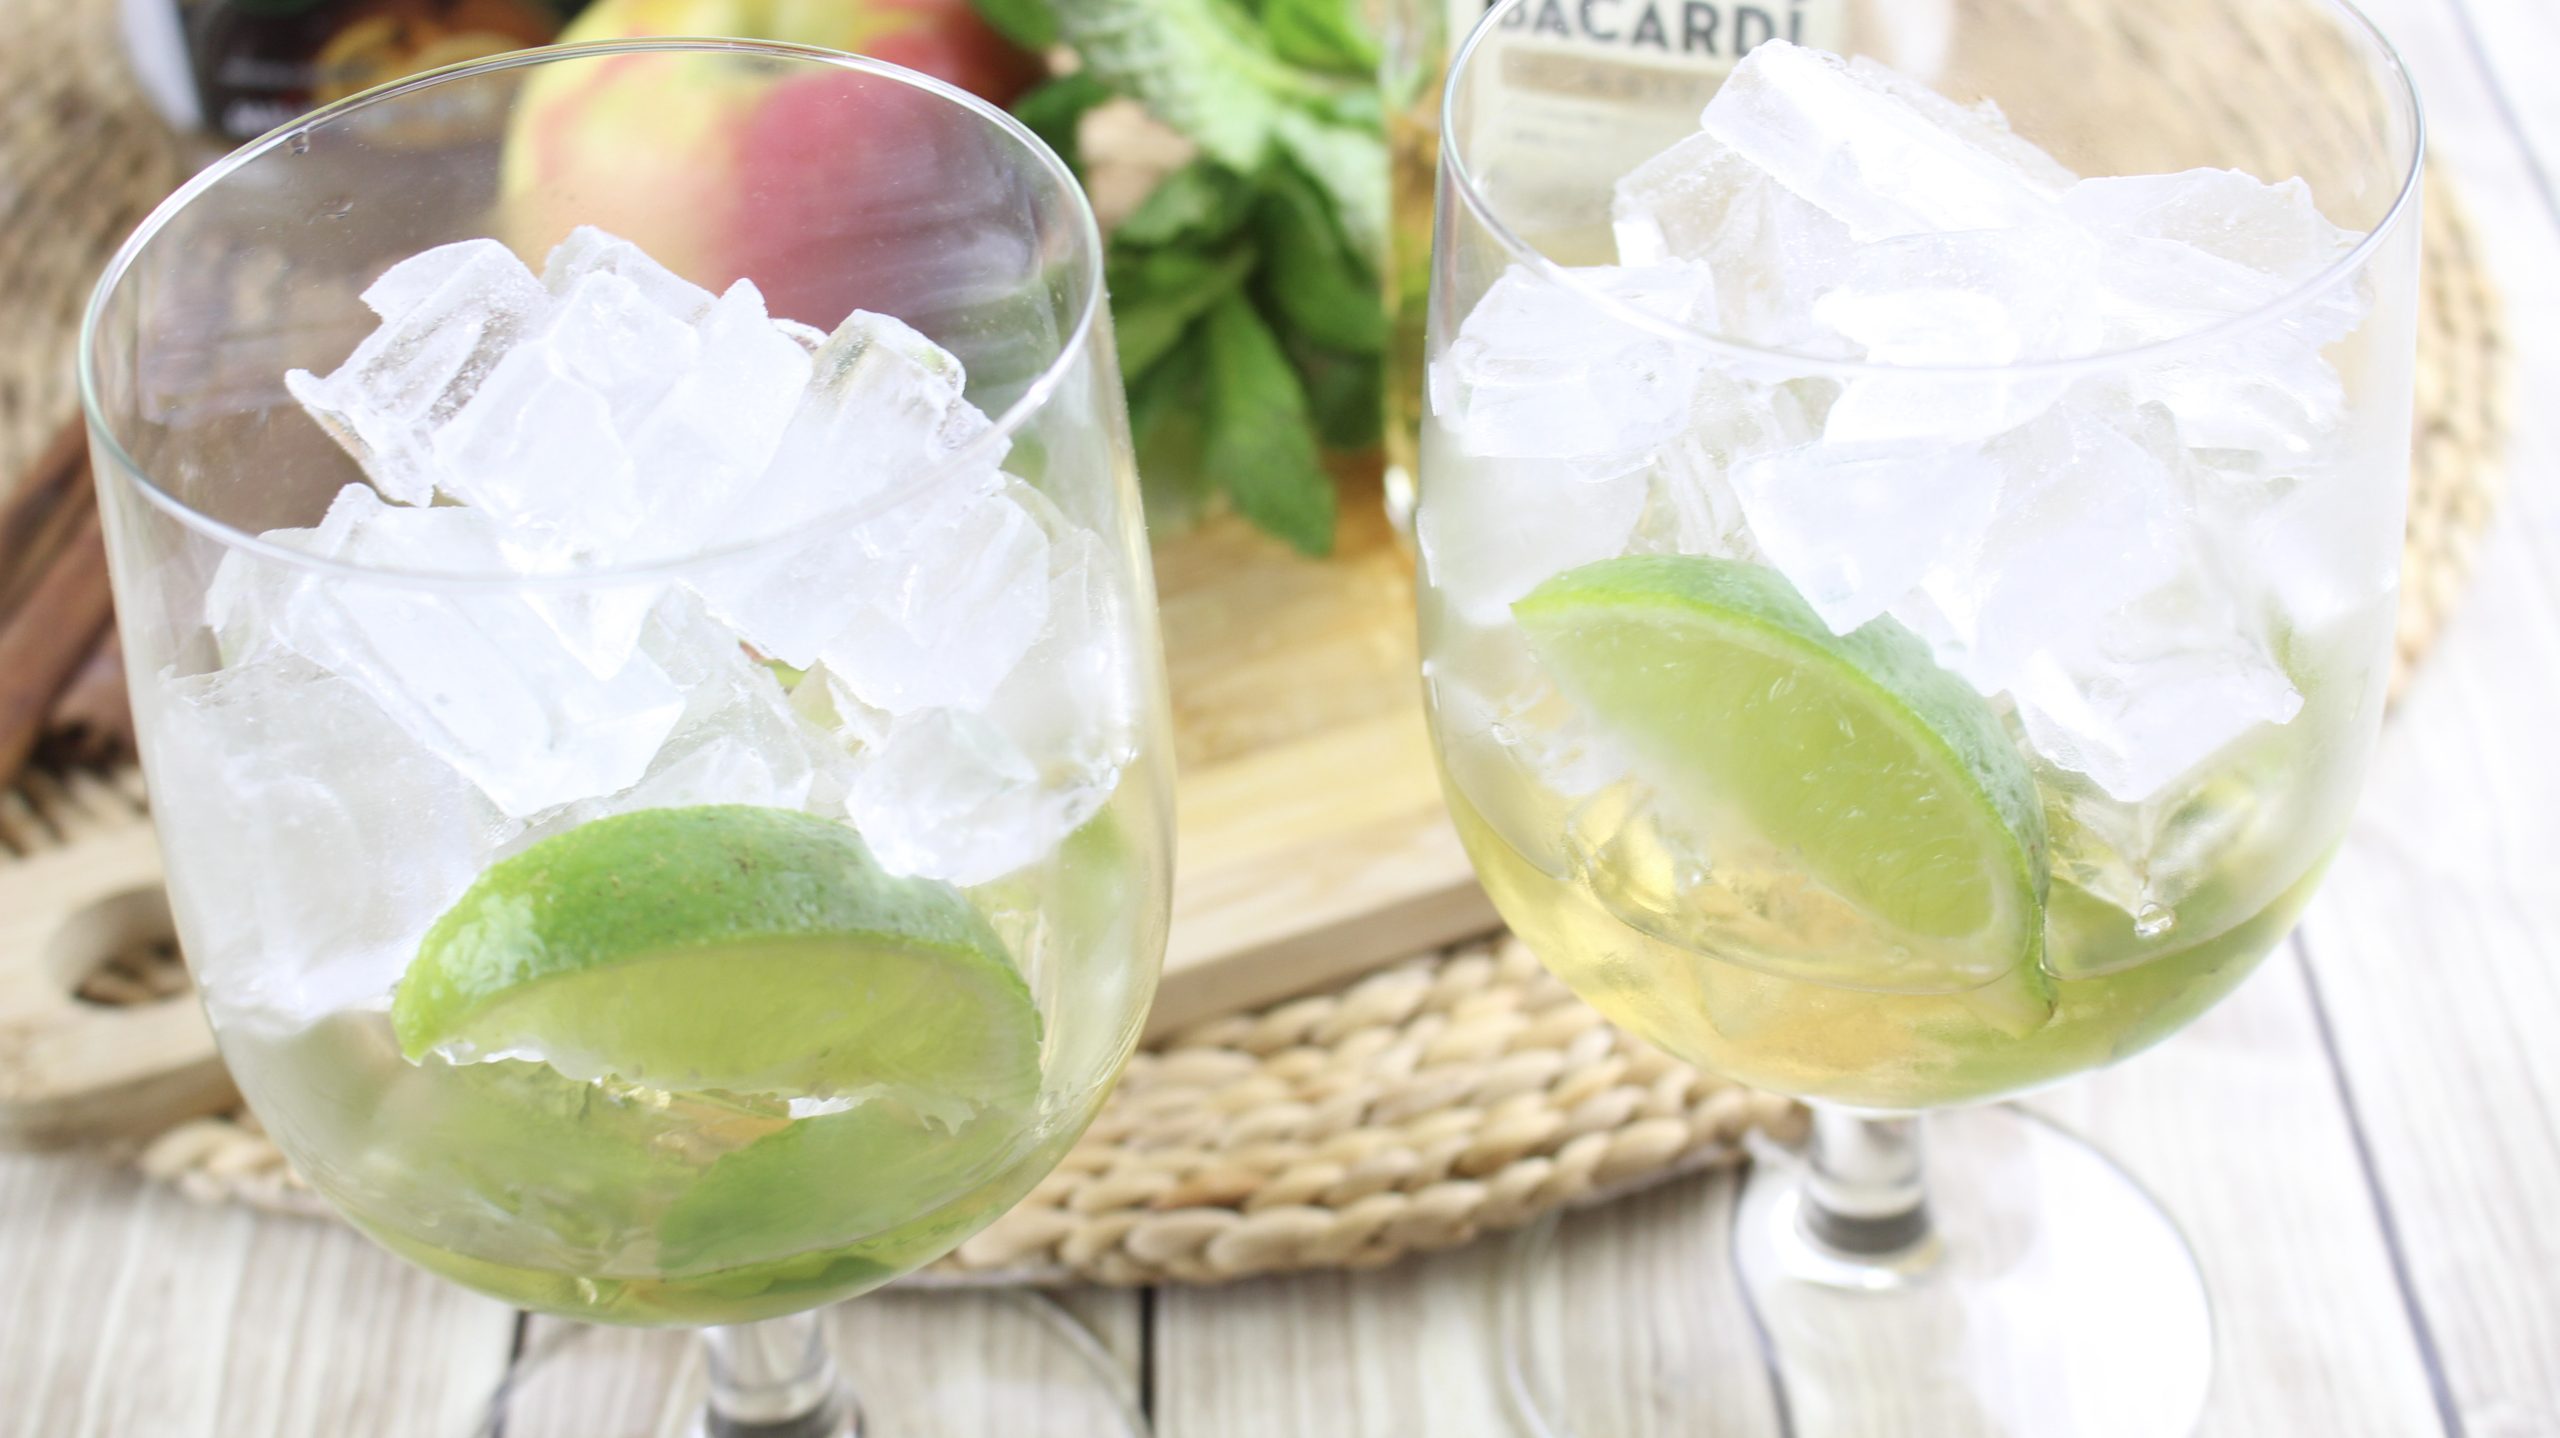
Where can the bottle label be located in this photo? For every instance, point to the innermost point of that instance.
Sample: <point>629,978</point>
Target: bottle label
<point>1705,33</point>
<point>1596,87</point>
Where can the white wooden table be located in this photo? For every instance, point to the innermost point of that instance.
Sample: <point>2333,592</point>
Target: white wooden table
<point>2364,1143</point>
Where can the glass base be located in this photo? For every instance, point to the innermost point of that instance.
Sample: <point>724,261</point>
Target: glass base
<point>998,1363</point>
<point>2051,1296</point>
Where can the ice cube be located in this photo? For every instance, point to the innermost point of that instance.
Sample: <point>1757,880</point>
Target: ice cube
<point>2088,518</point>
<point>541,455</point>
<point>944,609</point>
<point>2160,686</point>
<point>739,740</point>
<point>608,335</point>
<point>700,450</point>
<point>2320,548</point>
<point>1979,299</point>
<point>589,251</point>
<point>477,674</point>
<point>312,840</point>
<point>1924,409</point>
<point>1855,528</point>
<point>2275,230</point>
<point>948,795</point>
<point>1491,530</point>
<point>790,599</point>
<point>1515,744</point>
<point>1981,124</point>
<point>244,603</point>
<point>1772,253</point>
<point>448,317</point>
<point>1692,507</point>
<point>969,796</point>
<point>1540,371</point>
<point>1878,153</point>
<point>1925,325</point>
<point>844,727</point>
<point>2150,857</point>
<point>618,432</point>
<point>2266,388</point>
<point>930,601</point>
<point>1516,776</point>
<point>1072,704</point>
<point>886,406</point>
<point>1975,298</point>
<point>885,409</point>
<point>414,281</point>
<point>2148,290</point>
<point>598,623</point>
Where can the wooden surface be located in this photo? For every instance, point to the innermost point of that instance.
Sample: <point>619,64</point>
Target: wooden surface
<point>1311,839</point>
<point>2364,1143</point>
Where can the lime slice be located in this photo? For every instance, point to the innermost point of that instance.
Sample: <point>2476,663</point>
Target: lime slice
<point>1850,760</point>
<point>860,1183</point>
<point>753,951</point>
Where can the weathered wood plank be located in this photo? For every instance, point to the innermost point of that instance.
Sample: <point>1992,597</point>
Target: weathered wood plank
<point>2236,1125</point>
<point>2436,945</point>
<point>975,1362</point>
<point>2237,1128</point>
<point>1408,1352</point>
<point>132,1311</point>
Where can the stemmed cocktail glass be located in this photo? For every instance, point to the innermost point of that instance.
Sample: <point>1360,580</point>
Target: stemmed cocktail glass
<point>1908,589</point>
<point>644,655</point>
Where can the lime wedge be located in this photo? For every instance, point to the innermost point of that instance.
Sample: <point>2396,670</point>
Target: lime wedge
<point>1849,760</point>
<point>840,1184</point>
<point>745,950</point>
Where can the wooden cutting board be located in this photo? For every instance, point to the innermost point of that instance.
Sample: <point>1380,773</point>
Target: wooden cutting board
<point>1311,839</point>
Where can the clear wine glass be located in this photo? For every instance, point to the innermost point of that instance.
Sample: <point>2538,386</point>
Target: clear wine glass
<point>1908,594</point>
<point>643,647</point>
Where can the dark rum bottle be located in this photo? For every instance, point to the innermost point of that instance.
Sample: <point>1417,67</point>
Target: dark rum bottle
<point>230,70</point>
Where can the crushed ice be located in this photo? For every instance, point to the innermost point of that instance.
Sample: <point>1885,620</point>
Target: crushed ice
<point>944,666</point>
<point>2064,541</point>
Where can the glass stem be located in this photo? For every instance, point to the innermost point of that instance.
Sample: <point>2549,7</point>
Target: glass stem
<point>777,1379</point>
<point>1866,1198</point>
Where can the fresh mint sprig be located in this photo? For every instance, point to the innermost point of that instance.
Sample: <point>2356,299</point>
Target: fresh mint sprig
<point>1245,287</point>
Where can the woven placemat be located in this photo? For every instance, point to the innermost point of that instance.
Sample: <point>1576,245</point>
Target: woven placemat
<point>1442,1097</point>
<point>1429,1102</point>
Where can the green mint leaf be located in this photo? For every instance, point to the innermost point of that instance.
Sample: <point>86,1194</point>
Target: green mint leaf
<point>1202,202</point>
<point>1316,282</point>
<point>1346,394</point>
<point>1261,446</point>
<point>1169,423</point>
<point>1348,162</point>
<point>1157,294</point>
<point>1030,24</point>
<point>1055,111</point>
<point>1327,34</point>
<point>1201,66</point>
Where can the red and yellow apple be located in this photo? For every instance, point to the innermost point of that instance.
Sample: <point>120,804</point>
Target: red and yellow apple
<point>825,187</point>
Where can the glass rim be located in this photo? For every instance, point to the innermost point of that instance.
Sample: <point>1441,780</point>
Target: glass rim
<point>2402,90</point>
<point>994,440</point>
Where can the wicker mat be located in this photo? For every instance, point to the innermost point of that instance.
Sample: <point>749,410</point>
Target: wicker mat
<point>1433,1100</point>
